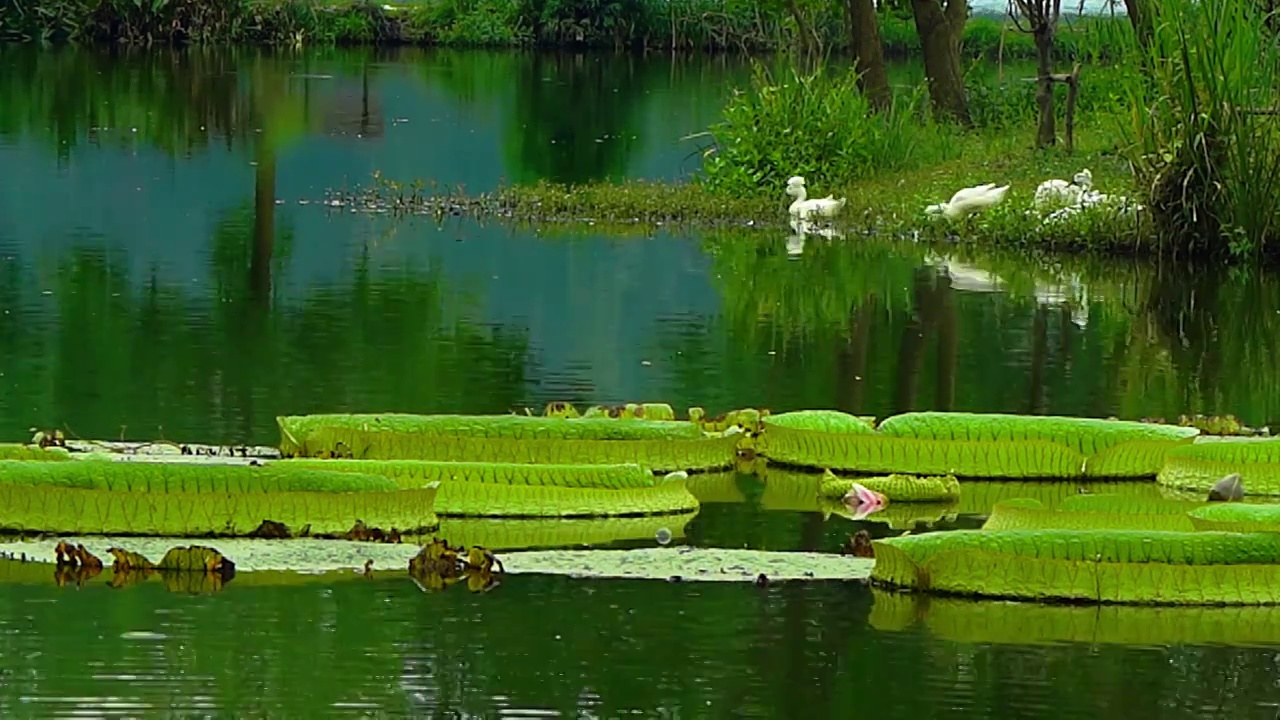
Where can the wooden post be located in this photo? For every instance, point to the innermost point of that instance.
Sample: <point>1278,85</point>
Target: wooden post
<point>1072,81</point>
<point>1073,85</point>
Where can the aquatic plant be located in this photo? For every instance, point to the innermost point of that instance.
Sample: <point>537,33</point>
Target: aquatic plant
<point>1088,436</point>
<point>153,477</point>
<point>16,451</point>
<point>662,446</point>
<point>897,488</point>
<point>1236,517</point>
<point>1122,566</point>
<point>60,509</point>
<point>417,473</point>
<point>1203,136</point>
<point>981,622</point>
<point>832,421</point>
<point>1101,512</point>
<point>888,454</point>
<point>467,499</point>
<point>1199,466</point>
<point>339,428</point>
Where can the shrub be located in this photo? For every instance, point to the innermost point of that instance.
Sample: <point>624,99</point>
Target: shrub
<point>819,126</point>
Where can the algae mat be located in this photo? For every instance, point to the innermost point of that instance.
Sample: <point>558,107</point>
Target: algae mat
<point>309,555</point>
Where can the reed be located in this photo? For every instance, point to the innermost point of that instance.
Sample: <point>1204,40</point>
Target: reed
<point>1202,128</point>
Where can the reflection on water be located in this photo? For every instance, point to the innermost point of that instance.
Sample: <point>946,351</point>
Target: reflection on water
<point>564,648</point>
<point>158,210</point>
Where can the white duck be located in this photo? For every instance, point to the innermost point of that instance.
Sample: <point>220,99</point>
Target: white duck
<point>1056,193</point>
<point>969,200</point>
<point>1092,199</point>
<point>817,207</point>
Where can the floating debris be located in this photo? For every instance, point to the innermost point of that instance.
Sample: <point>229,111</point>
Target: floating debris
<point>75,564</point>
<point>438,566</point>
<point>362,533</point>
<point>194,570</point>
<point>859,545</point>
<point>635,204</point>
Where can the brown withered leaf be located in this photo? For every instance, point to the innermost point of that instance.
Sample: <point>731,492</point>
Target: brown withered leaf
<point>197,559</point>
<point>127,578</point>
<point>859,545</point>
<point>438,566</point>
<point>363,533</point>
<point>483,559</point>
<point>207,570</point>
<point>49,438</point>
<point>126,562</point>
<point>560,409</point>
<point>193,583</point>
<point>74,563</point>
<point>271,530</point>
<point>78,574</point>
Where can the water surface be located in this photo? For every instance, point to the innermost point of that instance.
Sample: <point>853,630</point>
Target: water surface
<point>161,276</point>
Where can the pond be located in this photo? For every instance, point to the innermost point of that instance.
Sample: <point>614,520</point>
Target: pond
<point>167,270</point>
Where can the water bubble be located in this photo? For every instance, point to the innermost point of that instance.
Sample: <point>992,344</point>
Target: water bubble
<point>663,536</point>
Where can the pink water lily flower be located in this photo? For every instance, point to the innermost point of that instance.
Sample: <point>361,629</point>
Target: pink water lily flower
<point>864,501</point>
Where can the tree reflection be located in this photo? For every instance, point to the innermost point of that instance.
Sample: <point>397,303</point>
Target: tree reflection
<point>853,325</point>
<point>575,117</point>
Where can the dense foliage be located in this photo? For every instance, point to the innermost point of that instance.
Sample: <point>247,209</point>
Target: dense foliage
<point>736,25</point>
<point>818,126</point>
<point>1205,133</point>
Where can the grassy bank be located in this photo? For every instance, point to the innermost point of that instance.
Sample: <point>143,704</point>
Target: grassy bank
<point>890,167</point>
<point>656,24</point>
<point>887,205</point>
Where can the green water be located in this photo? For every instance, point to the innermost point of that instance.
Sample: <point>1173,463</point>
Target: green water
<point>159,277</point>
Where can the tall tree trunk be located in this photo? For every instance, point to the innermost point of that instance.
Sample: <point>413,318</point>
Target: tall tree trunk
<point>1046,135</point>
<point>1039,353</point>
<point>940,32</point>
<point>852,361</point>
<point>1140,18</point>
<point>264,222</point>
<point>948,324</point>
<point>868,52</point>
<point>912,347</point>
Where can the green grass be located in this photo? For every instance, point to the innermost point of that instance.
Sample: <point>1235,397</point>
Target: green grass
<point>887,204</point>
